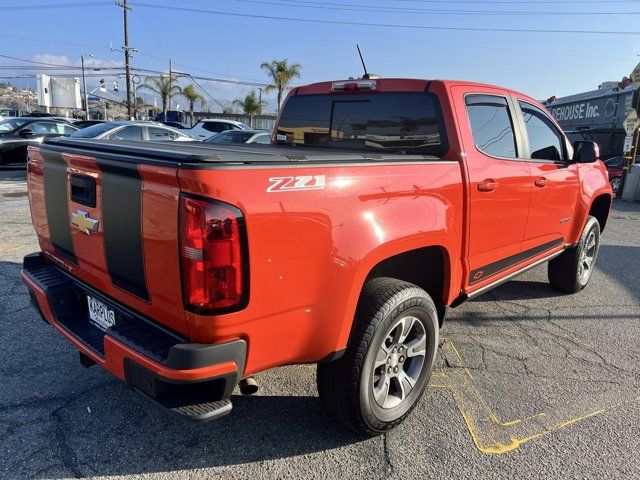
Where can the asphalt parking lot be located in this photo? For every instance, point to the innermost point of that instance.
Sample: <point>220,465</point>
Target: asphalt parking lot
<point>530,384</point>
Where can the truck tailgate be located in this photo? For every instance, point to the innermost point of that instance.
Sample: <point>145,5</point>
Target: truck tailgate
<point>113,224</point>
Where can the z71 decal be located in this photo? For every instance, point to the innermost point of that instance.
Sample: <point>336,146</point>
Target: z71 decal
<point>300,182</point>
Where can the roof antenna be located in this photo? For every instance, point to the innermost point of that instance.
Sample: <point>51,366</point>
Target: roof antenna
<point>366,74</point>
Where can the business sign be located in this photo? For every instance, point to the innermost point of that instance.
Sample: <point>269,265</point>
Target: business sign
<point>599,111</point>
<point>59,92</point>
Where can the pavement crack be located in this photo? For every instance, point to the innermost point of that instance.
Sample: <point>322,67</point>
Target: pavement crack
<point>66,452</point>
<point>387,455</point>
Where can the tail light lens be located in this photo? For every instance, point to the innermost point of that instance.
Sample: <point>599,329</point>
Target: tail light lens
<point>213,256</point>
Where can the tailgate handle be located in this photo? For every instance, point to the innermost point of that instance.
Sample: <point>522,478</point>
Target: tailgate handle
<point>83,190</point>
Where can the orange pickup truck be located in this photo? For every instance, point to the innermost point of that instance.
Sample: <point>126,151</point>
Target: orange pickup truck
<point>184,269</point>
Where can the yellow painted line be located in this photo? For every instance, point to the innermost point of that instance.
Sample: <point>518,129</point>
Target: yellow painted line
<point>6,248</point>
<point>489,434</point>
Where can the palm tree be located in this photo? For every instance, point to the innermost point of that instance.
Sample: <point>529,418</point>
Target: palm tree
<point>164,87</point>
<point>281,74</point>
<point>189,92</point>
<point>250,105</point>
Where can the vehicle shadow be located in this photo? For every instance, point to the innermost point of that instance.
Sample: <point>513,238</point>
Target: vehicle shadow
<point>619,263</point>
<point>98,426</point>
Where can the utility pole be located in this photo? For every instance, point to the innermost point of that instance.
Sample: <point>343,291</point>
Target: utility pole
<point>170,85</point>
<point>260,100</point>
<point>127,54</point>
<point>84,88</point>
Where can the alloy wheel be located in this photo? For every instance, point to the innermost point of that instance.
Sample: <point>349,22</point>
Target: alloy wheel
<point>399,362</point>
<point>587,258</point>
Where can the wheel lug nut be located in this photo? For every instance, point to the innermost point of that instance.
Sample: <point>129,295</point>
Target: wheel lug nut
<point>395,370</point>
<point>388,359</point>
<point>401,359</point>
<point>390,370</point>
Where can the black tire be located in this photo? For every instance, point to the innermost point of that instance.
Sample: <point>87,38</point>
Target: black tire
<point>346,386</point>
<point>565,272</point>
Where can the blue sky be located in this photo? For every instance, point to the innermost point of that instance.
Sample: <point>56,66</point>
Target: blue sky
<point>541,64</point>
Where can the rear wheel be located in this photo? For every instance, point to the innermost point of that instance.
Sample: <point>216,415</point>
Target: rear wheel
<point>571,271</point>
<point>389,358</point>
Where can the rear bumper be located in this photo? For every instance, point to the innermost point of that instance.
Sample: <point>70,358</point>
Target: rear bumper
<point>192,381</point>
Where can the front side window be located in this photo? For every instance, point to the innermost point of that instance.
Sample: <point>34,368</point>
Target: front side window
<point>491,125</point>
<point>545,140</point>
<point>43,128</point>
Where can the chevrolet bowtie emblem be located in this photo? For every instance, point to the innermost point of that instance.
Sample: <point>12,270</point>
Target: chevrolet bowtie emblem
<point>84,222</point>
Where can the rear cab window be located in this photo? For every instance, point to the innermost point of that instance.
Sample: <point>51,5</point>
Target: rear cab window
<point>408,122</point>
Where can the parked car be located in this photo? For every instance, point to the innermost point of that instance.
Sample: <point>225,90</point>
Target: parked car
<point>16,134</point>
<point>614,168</point>
<point>210,126</point>
<point>87,123</point>
<point>133,130</point>
<point>241,136</point>
<point>184,269</point>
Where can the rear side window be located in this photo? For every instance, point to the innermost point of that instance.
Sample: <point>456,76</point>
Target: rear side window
<point>65,129</point>
<point>491,125</point>
<point>127,133</point>
<point>230,137</point>
<point>545,140</point>
<point>216,127</point>
<point>409,122</point>
<point>161,134</point>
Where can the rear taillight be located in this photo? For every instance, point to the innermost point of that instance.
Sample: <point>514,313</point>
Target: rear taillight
<point>213,256</point>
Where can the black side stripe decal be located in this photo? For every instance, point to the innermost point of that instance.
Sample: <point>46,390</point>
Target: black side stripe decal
<point>57,202</point>
<point>480,274</point>
<point>122,226</point>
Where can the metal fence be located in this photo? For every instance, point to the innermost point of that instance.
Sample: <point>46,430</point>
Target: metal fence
<point>261,122</point>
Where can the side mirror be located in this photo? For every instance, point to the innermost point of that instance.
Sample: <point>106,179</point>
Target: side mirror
<point>27,132</point>
<point>585,152</point>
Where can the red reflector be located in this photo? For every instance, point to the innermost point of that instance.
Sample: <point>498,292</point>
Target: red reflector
<point>211,250</point>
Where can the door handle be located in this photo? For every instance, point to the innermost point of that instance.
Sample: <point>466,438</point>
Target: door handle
<point>541,182</point>
<point>487,186</point>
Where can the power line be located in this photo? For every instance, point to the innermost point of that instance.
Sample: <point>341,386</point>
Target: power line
<point>207,93</point>
<point>385,25</point>
<point>517,2</point>
<point>55,5</point>
<point>353,7</point>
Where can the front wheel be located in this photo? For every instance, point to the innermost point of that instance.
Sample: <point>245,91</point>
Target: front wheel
<point>615,185</point>
<point>571,271</point>
<point>388,362</point>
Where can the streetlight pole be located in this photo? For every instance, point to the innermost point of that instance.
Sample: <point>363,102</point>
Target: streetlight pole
<point>84,87</point>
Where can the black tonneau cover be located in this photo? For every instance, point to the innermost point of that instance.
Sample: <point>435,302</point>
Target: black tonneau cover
<point>199,153</point>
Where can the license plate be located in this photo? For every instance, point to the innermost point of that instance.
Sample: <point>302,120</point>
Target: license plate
<point>99,314</point>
